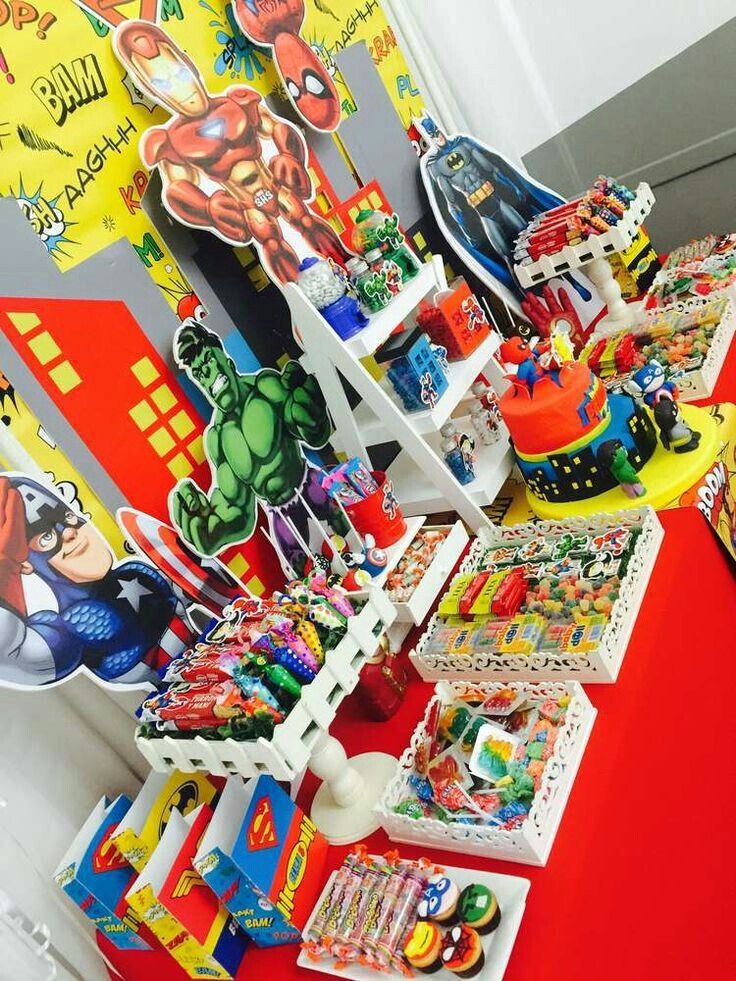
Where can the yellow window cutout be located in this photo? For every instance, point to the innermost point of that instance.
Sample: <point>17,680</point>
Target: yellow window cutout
<point>258,276</point>
<point>420,241</point>
<point>24,322</point>
<point>180,467</point>
<point>245,256</point>
<point>44,347</point>
<point>375,199</point>
<point>239,565</point>
<point>196,448</point>
<point>323,202</point>
<point>142,415</point>
<point>65,377</point>
<point>161,441</point>
<point>145,371</point>
<point>181,424</point>
<point>256,586</point>
<point>164,398</point>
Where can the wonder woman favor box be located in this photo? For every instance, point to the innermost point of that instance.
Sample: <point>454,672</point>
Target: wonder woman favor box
<point>184,914</point>
<point>264,858</point>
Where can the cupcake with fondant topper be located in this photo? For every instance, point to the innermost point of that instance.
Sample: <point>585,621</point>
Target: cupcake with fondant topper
<point>439,901</point>
<point>423,946</point>
<point>479,909</point>
<point>462,952</point>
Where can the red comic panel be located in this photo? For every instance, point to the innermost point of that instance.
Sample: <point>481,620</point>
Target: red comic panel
<point>96,364</point>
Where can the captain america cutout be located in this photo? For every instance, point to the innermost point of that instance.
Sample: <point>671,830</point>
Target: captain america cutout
<point>67,606</point>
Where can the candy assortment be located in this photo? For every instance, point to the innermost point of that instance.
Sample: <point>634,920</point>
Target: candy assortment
<point>679,341</point>
<point>247,671</point>
<point>379,238</point>
<point>480,761</point>
<point>596,212</point>
<point>700,249</point>
<point>395,917</point>
<point>548,594</point>
<point>350,483</point>
<point>698,277</point>
<point>328,287</point>
<point>417,369</point>
<point>368,282</point>
<point>369,911</point>
<point>413,564</point>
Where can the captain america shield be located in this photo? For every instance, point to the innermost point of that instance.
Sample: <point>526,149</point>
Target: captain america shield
<point>204,581</point>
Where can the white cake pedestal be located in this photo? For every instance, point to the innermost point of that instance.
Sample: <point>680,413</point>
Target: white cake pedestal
<point>343,805</point>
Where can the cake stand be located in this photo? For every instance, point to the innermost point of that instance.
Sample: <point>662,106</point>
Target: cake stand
<point>343,806</point>
<point>666,476</point>
<point>591,256</point>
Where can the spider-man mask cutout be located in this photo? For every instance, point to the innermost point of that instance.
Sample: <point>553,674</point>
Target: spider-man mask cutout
<point>307,81</point>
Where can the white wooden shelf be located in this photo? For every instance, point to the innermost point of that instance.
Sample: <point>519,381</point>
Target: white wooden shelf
<point>422,472</point>
<point>460,378</point>
<point>382,325</point>
<point>415,491</point>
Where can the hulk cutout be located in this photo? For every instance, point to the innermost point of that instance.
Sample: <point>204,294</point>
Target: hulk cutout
<point>253,445</point>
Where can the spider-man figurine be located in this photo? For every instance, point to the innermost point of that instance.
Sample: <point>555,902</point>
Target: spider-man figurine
<point>218,139</point>
<point>277,23</point>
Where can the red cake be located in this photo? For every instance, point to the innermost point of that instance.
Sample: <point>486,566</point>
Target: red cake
<point>555,413</point>
<point>559,416</point>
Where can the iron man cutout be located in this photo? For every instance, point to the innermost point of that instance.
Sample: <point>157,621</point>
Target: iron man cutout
<point>210,155</point>
<point>277,23</point>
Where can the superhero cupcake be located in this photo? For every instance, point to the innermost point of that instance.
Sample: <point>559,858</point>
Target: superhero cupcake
<point>462,952</point>
<point>439,901</point>
<point>422,948</point>
<point>478,907</point>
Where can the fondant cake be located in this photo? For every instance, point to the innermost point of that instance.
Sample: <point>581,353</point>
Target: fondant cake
<point>559,416</point>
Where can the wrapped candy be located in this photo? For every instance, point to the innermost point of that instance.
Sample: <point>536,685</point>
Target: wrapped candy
<point>190,707</point>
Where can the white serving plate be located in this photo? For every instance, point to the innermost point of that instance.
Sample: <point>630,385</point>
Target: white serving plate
<point>511,892</point>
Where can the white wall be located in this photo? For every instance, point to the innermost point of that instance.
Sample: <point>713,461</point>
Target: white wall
<point>522,70</point>
<point>60,751</point>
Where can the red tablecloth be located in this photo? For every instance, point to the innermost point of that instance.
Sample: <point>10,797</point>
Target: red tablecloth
<point>640,877</point>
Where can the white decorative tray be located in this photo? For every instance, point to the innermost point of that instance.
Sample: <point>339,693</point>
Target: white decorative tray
<point>601,665</point>
<point>511,892</point>
<point>287,753</point>
<point>616,239</point>
<point>698,383</point>
<point>532,842</point>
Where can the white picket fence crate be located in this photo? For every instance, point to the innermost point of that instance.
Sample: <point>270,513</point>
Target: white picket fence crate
<point>696,383</point>
<point>616,239</point>
<point>287,753</point>
<point>601,665</point>
<point>531,843</point>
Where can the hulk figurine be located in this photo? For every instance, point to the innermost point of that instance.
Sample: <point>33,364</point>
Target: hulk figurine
<point>253,445</point>
<point>613,456</point>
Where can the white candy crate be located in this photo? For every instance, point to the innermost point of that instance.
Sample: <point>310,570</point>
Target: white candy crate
<point>287,753</point>
<point>697,383</point>
<point>600,665</point>
<point>532,842</point>
<point>616,239</point>
<point>415,609</point>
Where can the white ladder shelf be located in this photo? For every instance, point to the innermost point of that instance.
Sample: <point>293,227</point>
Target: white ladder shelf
<point>422,481</point>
